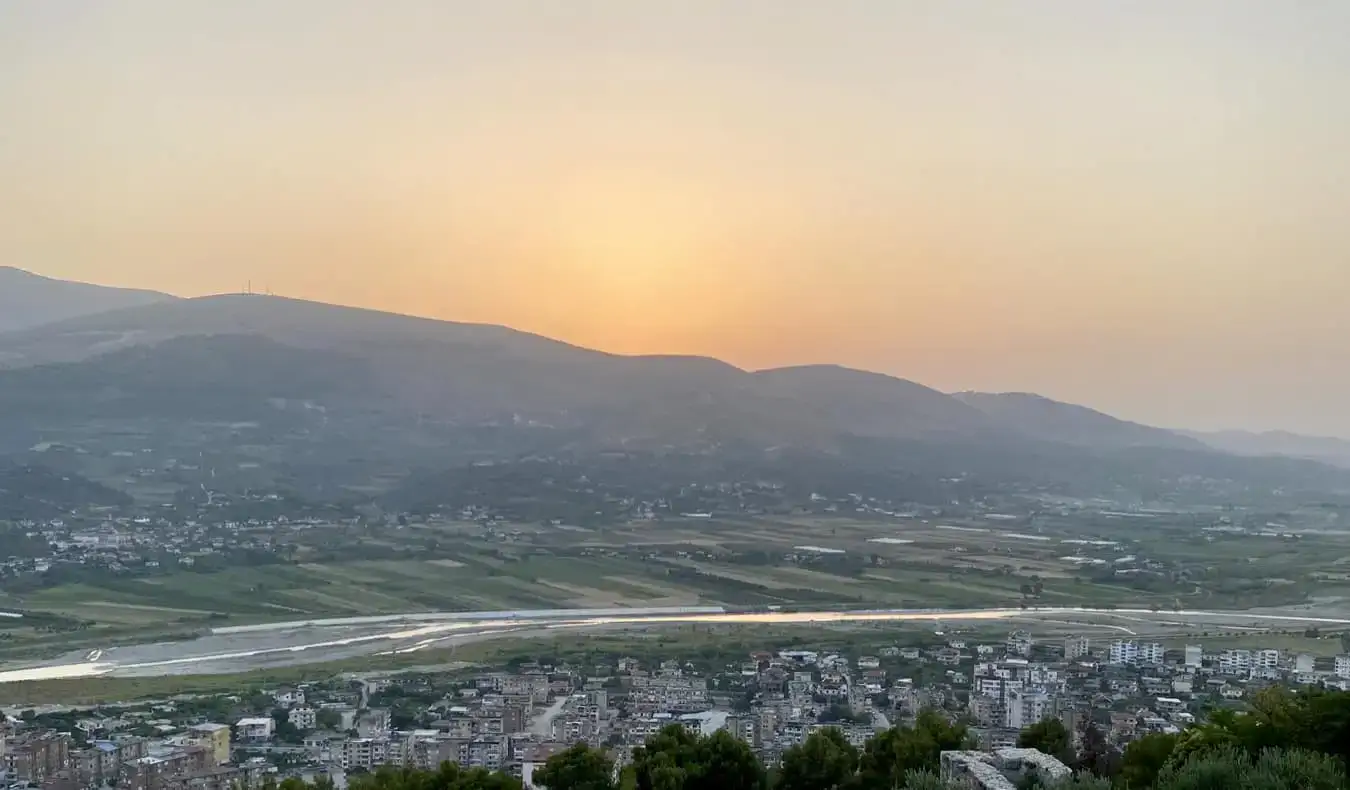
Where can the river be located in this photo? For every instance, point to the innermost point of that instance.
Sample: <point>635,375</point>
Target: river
<point>301,642</point>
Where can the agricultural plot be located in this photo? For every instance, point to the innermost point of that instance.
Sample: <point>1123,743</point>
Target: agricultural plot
<point>809,561</point>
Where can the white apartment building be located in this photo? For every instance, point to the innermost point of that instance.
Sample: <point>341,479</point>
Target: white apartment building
<point>303,718</point>
<point>1076,647</point>
<point>1151,653</point>
<point>1195,655</point>
<point>1343,666</point>
<point>255,729</point>
<point>1129,652</point>
<point>1236,662</point>
<point>1025,708</point>
<point>1266,659</point>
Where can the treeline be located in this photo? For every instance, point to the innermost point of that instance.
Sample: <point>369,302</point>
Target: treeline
<point>1287,741</point>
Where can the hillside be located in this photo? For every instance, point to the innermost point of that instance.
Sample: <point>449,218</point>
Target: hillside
<point>34,492</point>
<point>1054,421</point>
<point>264,391</point>
<point>472,373</point>
<point>28,300</point>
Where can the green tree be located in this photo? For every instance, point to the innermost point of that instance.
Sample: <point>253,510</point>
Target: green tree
<point>327,719</point>
<point>1218,768</point>
<point>924,780</point>
<point>1145,758</point>
<point>1273,769</point>
<point>887,758</point>
<point>449,777</point>
<point>1083,781</point>
<point>677,759</point>
<point>578,768</point>
<point>824,761</point>
<point>1097,756</point>
<point>285,731</point>
<point>1295,769</point>
<point>1049,735</point>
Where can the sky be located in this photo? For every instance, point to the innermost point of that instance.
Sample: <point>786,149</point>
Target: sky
<point>1139,205</point>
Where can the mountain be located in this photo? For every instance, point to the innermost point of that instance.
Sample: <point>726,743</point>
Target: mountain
<point>1052,420</point>
<point>1279,443</point>
<point>266,391</point>
<point>28,300</point>
<point>474,373</point>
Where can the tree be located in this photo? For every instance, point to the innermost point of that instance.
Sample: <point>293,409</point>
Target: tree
<point>327,719</point>
<point>1273,769</point>
<point>578,768</point>
<point>1295,769</point>
<point>677,759</point>
<point>1145,758</point>
<point>1049,735</point>
<point>1083,781</point>
<point>824,761</point>
<point>889,756</point>
<point>1097,757</point>
<point>449,777</point>
<point>286,732</point>
<point>924,780</point>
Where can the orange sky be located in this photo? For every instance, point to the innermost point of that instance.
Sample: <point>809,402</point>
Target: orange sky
<point>1135,205</point>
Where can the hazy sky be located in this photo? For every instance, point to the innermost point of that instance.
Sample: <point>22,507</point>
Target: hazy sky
<point>1142,205</point>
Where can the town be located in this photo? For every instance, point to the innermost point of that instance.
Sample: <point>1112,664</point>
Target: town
<point>1105,694</point>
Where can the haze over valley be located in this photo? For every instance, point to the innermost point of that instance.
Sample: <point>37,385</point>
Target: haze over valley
<point>358,403</point>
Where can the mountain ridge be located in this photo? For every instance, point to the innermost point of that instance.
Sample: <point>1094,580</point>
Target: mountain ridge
<point>340,395</point>
<point>469,371</point>
<point>28,299</point>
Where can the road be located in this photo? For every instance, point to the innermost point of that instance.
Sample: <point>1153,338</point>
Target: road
<point>542,725</point>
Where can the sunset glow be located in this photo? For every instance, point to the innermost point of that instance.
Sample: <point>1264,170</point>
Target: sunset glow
<point>1126,204</point>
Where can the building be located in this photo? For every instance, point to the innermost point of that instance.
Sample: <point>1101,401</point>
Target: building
<point>1076,647</point>
<point>215,738</point>
<point>289,696</point>
<point>1019,643</point>
<point>1266,659</point>
<point>372,723</point>
<point>1343,666</point>
<point>366,753</point>
<point>1151,653</point>
<point>303,718</point>
<point>1236,662</point>
<point>1025,708</point>
<point>35,758</point>
<point>258,729</point>
<point>1002,769</point>
<point>1194,655</point>
<point>1130,652</point>
<point>1305,664</point>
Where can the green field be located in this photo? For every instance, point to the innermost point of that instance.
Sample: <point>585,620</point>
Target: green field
<point>869,562</point>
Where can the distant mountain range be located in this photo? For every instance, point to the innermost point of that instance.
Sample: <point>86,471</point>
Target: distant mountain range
<point>329,386</point>
<point>28,300</point>
<point>1291,445</point>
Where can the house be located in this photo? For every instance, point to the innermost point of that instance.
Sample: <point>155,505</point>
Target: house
<point>289,696</point>
<point>256,729</point>
<point>303,718</point>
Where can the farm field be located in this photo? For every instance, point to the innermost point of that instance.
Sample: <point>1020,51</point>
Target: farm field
<point>838,562</point>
